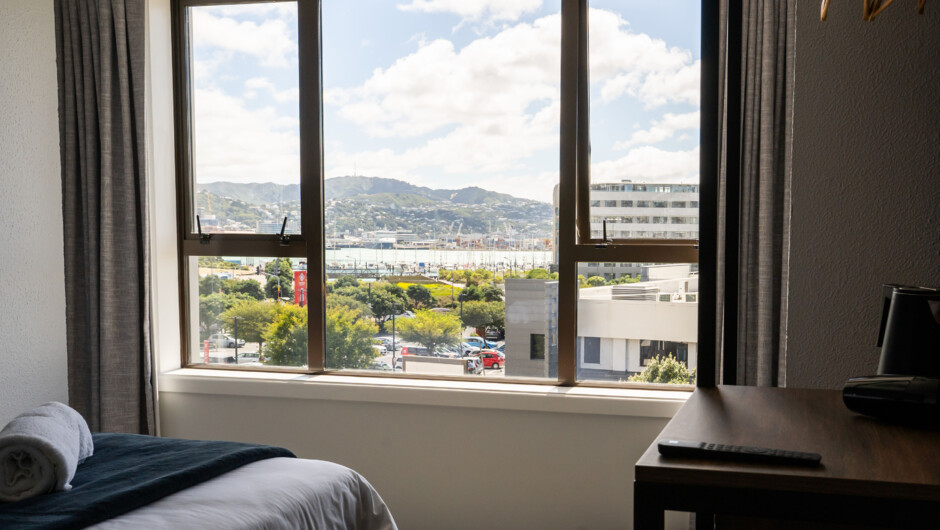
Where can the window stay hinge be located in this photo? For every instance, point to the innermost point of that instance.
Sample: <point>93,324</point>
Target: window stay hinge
<point>203,238</point>
<point>285,238</point>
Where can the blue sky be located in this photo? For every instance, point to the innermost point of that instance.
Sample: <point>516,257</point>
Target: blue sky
<point>447,93</point>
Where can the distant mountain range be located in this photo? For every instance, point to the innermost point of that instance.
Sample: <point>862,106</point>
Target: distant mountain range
<point>356,204</point>
<point>347,187</point>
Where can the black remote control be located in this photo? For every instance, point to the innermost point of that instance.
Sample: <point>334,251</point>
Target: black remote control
<point>738,453</point>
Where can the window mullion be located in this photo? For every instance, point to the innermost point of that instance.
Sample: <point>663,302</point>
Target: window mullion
<point>568,185</point>
<point>311,176</point>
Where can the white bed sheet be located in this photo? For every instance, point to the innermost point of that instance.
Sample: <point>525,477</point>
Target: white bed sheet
<point>276,493</point>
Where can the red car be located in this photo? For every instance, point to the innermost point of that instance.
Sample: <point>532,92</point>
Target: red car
<point>492,359</point>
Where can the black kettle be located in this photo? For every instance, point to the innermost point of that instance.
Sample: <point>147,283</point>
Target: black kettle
<point>910,331</point>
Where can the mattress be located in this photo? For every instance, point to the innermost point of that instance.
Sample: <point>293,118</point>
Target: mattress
<point>274,493</point>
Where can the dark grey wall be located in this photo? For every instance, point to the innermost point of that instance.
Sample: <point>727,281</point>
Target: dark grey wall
<point>866,180</point>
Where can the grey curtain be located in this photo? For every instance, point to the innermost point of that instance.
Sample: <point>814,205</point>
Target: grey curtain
<point>100,57</point>
<point>768,31</point>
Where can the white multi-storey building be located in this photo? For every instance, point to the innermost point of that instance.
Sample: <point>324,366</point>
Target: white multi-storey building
<point>637,211</point>
<point>620,327</point>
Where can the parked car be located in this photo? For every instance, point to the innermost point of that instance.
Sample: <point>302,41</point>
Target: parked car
<point>399,363</point>
<point>414,350</point>
<point>249,357</point>
<point>468,349</point>
<point>492,359</point>
<point>379,349</point>
<point>381,365</point>
<point>474,365</point>
<point>222,340</point>
<point>493,334</point>
<point>479,343</point>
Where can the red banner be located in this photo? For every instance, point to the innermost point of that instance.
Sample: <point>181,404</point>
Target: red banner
<point>300,288</point>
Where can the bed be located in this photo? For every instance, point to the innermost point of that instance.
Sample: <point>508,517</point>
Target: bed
<point>135,481</point>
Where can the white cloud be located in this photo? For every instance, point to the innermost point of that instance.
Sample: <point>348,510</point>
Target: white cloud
<point>262,83</point>
<point>662,129</point>
<point>477,10</point>
<point>238,144</point>
<point>635,64</point>
<point>270,40</point>
<point>650,164</point>
<point>483,113</point>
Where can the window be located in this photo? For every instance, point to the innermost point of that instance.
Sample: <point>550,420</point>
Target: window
<point>355,186</point>
<point>592,350</point>
<point>537,346</point>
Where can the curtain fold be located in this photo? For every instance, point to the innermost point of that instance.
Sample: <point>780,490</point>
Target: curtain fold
<point>764,137</point>
<point>100,60</point>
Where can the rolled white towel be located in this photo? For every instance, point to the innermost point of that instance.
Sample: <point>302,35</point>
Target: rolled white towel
<point>40,450</point>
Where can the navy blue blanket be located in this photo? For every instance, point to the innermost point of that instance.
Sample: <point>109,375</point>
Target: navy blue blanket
<point>128,471</point>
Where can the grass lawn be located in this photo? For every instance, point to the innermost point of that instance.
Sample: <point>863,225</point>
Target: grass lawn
<point>438,290</point>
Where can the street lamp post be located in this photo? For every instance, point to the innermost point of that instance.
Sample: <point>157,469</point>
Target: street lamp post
<point>235,331</point>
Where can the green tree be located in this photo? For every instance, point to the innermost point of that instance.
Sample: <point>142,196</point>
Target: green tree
<point>484,314</point>
<point>471,294</point>
<point>420,296</point>
<point>665,370</point>
<point>254,318</point>
<point>386,300</point>
<point>431,329</point>
<point>287,337</point>
<point>346,281</point>
<point>537,274</point>
<point>247,287</point>
<point>596,281</point>
<point>491,293</point>
<point>211,308</point>
<point>349,302</point>
<point>348,339</point>
<point>280,267</point>
<point>210,284</point>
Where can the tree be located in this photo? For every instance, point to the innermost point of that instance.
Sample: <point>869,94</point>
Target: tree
<point>665,370</point>
<point>431,329</point>
<point>596,281</point>
<point>287,337</point>
<point>211,308</point>
<point>247,287</point>
<point>484,314</point>
<point>338,300</point>
<point>210,284</point>
<point>471,294</point>
<point>386,301</point>
<point>537,274</point>
<point>346,281</point>
<point>280,267</point>
<point>254,318</point>
<point>491,293</point>
<point>348,339</point>
<point>420,296</point>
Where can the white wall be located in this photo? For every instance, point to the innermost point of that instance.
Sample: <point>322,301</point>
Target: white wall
<point>866,180</point>
<point>32,278</point>
<point>448,466</point>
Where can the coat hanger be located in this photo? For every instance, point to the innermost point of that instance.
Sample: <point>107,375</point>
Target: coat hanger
<point>870,8</point>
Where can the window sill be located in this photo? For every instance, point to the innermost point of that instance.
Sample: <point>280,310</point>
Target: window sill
<point>471,394</point>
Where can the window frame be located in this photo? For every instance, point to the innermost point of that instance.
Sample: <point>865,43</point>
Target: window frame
<point>575,244</point>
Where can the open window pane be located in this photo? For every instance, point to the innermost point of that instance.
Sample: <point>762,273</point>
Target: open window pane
<point>644,121</point>
<point>638,323</point>
<point>441,138</point>
<point>247,311</point>
<point>244,119</point>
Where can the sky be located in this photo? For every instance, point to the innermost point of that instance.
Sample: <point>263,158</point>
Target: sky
<point>447,93</point>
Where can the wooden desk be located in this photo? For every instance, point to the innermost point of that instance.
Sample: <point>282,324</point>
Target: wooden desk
<point>872,473</point>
